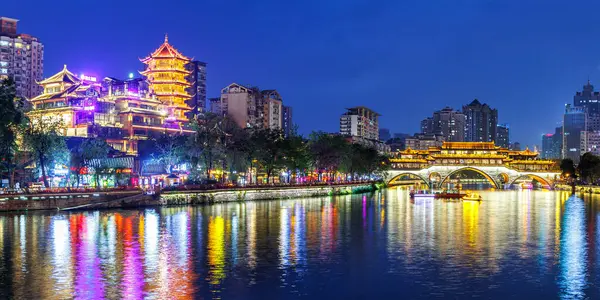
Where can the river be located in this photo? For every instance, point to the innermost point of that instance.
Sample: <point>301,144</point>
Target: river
<point>514,244</point>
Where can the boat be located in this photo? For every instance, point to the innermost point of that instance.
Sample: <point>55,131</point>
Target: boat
<point>450,195</point>
<point>472,197</point>
<point>421,195</point>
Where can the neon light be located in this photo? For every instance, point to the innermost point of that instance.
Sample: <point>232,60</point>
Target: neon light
<point>89,108</point>
<point>87,78</point>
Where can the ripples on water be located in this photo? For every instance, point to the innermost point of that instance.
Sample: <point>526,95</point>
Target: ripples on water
<point>514,244</point>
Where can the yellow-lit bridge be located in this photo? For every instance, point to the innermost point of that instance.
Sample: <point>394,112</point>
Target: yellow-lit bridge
<point>455,161</point>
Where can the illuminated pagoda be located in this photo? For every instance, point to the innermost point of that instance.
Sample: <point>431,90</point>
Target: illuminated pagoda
<point>167,77</point>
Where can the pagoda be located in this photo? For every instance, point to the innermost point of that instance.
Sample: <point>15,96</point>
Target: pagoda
<point>166,72</point>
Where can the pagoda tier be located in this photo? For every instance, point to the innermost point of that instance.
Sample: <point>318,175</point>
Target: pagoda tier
<point>167,77</point>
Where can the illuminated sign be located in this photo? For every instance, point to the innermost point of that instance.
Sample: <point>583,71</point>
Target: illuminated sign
<point>124,171</point>
<point>60,170</point>
<point>87,78</point>
<point>89,108</point>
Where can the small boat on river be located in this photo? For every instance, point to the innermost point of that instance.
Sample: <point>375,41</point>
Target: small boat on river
<point>450,195</point>
<point>472,197</point>
<point>421,195</point>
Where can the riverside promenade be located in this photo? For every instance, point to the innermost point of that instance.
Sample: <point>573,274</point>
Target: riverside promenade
<point>182,195</point>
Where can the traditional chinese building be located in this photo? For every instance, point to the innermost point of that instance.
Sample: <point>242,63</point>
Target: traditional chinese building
<point>77,103</point>
<point>122,112</point>
<point>167,75</point>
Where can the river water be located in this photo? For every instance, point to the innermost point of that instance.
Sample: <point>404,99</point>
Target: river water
<point>515,244</point>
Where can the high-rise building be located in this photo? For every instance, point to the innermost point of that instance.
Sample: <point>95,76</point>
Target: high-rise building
<point>198,86</point>
<point>588,99</point>
<point>502,135</point>
<point>557,144</point>
<point>215,105</point>
<point>481,122</point>
<point>21,58</point>
<point>167,73</point>
<point>547,146</point>
<point>384,134</point>
<point>423,141</point>
<point>360,121</point>
<point>590,142</point>
<point>552,144</point>
<point>447,123</point>
<point>239,103</point>
<point>288,123</point>
<point>427,126</point>
<point>516,146</point>
<point>251,107</point>
<point>400,135</point>
<point>574,122</point>
<point>272,109</point>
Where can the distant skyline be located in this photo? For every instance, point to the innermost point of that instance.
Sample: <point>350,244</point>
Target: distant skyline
<point>402,59</point>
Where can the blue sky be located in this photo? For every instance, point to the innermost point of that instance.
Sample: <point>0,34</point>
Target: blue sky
<point>404,59</point>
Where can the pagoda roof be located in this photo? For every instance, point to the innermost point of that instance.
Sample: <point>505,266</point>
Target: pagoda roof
<point>409,151</point>
<point>408,160</point>
<point>58,95</point>
<point>525,152</point>
<point>532,162</point>
<point>165,50</point>
<point>150,71</point>
<point>63,76</point>
<point>141,111</point>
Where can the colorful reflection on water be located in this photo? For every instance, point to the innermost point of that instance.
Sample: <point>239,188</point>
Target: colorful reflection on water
<point>514,244</point>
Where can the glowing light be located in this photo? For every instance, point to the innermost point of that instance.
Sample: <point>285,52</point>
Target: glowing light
<point>573,250</point>
<point>216,249</point>
<point>130,75</point>
<point>60,170</point>
<point>87,78</point>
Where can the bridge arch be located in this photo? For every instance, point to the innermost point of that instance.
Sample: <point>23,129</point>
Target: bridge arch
<point>396,176</point>
<point>503,178</point>
<point>533,176</point>
<point>484,174</point>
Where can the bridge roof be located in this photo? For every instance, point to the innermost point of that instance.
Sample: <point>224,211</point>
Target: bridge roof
<point>408,160</point>
<point>533,162</point>
<point>469,146</point>
<point>525,152</point>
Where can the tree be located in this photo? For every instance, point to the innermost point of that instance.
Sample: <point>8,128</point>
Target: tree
<point>362,160</point>
<point>93,153</point>
<point>228,131</point>
<point>239,151</point>
<point>589,167</point>
<point>206,139</point>
<point>42,137</point>
<point>270,154</point>
<point>567,167</point>
<point>10,120</point>
<point>170,150</point>
<point>297,158</point>
<point>327,150</point>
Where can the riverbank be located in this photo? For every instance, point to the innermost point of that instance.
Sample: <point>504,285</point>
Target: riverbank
<point>589,189</point>
<point>130,199</point>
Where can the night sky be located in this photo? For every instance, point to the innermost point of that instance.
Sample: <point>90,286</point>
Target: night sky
<point>404,59</point>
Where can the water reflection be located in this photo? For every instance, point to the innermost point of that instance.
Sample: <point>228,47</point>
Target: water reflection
<point>573,252</point>
<point>535,244</point>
